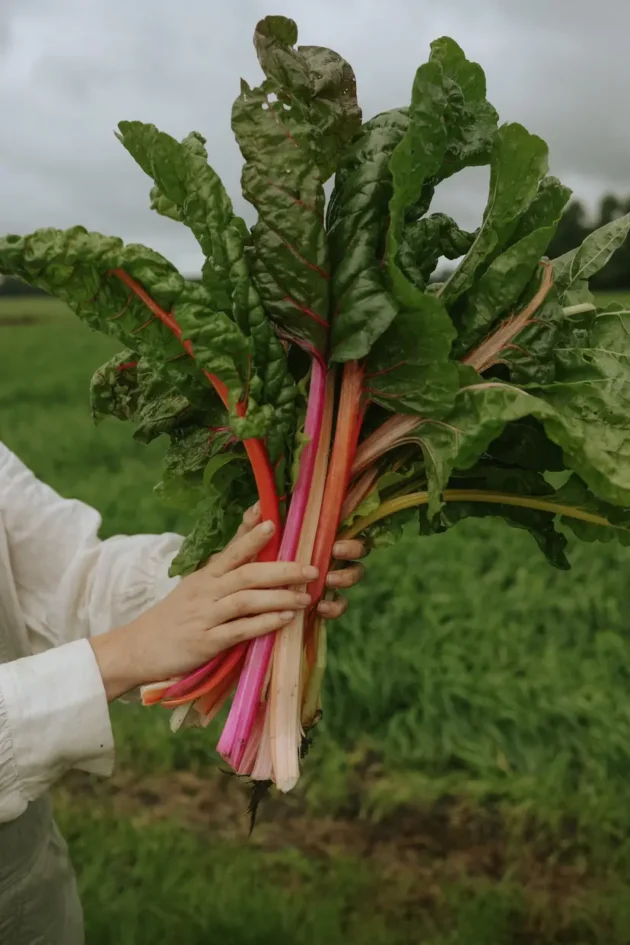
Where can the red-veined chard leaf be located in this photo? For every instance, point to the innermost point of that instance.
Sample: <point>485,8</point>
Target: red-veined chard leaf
<point>184,178</point>
<point>114,389</point>
<point>290,130</point>
<point>77,266</point>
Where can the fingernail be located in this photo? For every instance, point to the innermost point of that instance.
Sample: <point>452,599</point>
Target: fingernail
<point>256,508</point>
<point>337,549</point>
<point>310,573</point>
<point>333,579</point>
<point>267,528</point>
<point>304,600</point>
<point>325,607</point>
<point>287,615</point>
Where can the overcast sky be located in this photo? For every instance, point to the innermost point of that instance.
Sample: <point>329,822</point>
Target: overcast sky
<point>71,69</point>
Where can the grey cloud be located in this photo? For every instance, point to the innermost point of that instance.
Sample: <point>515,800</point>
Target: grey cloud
<point>71,69</point>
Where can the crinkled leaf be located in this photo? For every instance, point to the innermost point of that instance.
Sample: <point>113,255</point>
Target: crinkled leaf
<point>221,471</point>
<point>161,203</point>
<point>165,414</point>
<point>574,494</point>
<point>78,267</point>
<point>164,409</point>
<point>114,389</point>
<point>214,527</point>
<point>450,124</point>
<point>530,354</point>
<point>493,479</point>
<point>545,210</point>
<point>590,398</point>
<point>499,289</point>
<point>415,161</point>
<point>585,411</point>
<point>471,119</point>
<point>426,241</point>
<point>408,370</point>
<point>519,162</point>
<point>358,221</point>
<point>184,178</point>
<point>287,130</point>
<point>573,270</point>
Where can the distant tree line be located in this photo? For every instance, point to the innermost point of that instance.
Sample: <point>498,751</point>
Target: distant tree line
<point>11,286</point>
<point>574,226</point>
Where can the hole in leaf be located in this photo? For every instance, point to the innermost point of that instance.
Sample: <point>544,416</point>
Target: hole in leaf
<point>462,197</point>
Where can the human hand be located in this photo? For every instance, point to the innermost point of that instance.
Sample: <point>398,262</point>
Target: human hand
<point>231,599</point>
<point>346,550</point>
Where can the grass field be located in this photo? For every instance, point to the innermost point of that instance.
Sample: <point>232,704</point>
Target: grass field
<point>470,783</point>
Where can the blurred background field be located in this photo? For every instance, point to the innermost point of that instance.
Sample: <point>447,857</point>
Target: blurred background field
<point>469,784</point>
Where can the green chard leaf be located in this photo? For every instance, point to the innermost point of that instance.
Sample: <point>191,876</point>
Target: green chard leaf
<point>114,389</point>
<point>80,268</point>
<point>450,126</point>
<point>410,367</point>
<point>159,201</point>
<point>590,399</point>
<point>575,495</point>
<point>426,241</point>
<point>206,475</point>
<point>573,270</point>
<point>358,221</point>
<point>507,281</point>
<point>185,179</point>
<point>499,289</point>
<point>585,411</point>
<point>129,388</point>
<point>290,130</point>
<point>471,119</point>
<point>541,525</point>
<point>545,210</point>
<point>519,162</point>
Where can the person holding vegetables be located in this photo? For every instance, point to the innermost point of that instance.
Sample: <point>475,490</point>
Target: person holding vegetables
<point>82,622</point>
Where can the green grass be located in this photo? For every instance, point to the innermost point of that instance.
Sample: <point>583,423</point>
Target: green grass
<point>465,667</point>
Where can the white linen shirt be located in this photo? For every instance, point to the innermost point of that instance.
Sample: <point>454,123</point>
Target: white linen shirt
<point>59,585</point>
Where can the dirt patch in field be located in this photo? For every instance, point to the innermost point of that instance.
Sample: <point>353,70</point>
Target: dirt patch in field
<point>7,321</point>
<point>415,853</point>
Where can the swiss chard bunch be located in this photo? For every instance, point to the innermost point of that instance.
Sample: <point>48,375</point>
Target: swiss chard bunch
<point>318,365</point>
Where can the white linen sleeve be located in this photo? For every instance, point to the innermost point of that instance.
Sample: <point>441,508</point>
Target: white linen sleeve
<point>70,586</point>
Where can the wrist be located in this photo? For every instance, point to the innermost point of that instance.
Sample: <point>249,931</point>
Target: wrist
<point>118,667</point>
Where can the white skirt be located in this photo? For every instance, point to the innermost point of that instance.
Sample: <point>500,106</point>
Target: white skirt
<point>39,904</point>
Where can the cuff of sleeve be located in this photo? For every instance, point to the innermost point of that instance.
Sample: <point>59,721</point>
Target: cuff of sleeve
<point>58,715</point>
